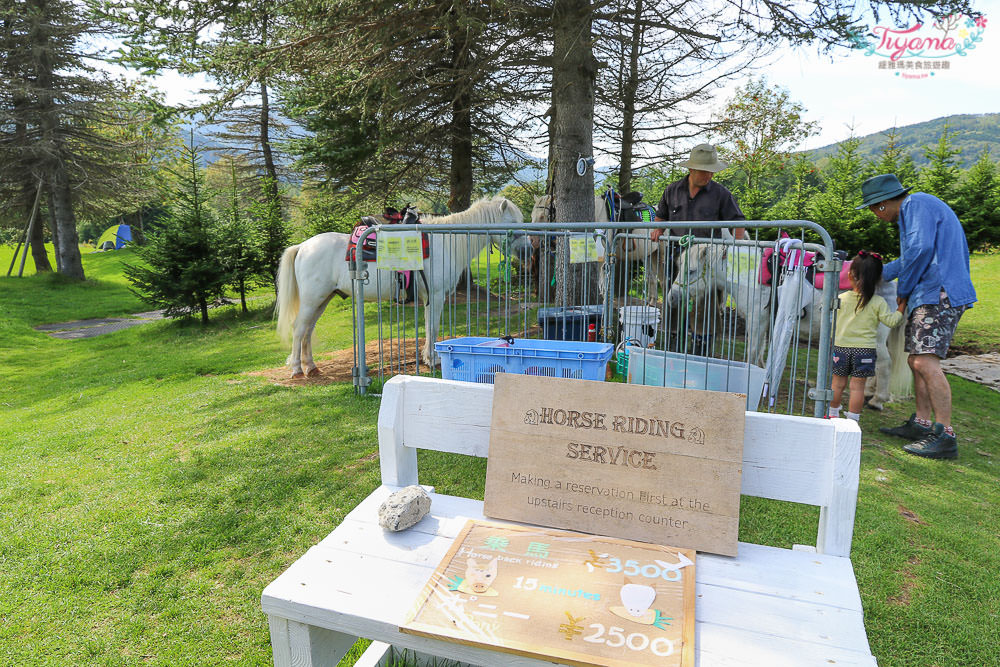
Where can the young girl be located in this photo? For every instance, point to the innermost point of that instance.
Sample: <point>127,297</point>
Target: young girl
<point>857,323</point>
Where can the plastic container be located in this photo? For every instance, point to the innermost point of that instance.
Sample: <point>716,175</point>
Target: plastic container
<point>672,369</point>
<point>476,359</point>
<point>639,323</point>
<point>569,323</point>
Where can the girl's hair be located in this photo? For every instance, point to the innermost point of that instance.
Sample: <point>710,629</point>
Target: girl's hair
<point>866,269</point>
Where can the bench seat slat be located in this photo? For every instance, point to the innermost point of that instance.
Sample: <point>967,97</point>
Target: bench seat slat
<point>761,569</point>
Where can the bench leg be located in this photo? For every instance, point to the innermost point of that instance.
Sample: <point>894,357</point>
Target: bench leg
<point>380,654</point>
<point>295,644</point>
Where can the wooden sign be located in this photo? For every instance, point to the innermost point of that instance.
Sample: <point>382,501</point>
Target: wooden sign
<point>654,464</point>
<point>552,594</point>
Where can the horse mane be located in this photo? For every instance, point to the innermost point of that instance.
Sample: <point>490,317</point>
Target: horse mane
<point>485,211</point>
<point>461,249</point>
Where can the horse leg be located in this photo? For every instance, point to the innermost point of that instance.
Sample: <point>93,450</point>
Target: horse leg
<point>432,320</point>
<point>878,386</point>
<point>294,360</point>
<point>307,353</point>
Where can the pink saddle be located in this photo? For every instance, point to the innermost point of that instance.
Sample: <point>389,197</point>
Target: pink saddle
<point>808,261</point>
<point>845,282</point>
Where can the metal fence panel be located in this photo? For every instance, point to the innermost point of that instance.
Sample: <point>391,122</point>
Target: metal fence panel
<point>711,318</point>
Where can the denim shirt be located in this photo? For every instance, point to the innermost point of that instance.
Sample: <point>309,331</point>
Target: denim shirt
<point>933,254</point>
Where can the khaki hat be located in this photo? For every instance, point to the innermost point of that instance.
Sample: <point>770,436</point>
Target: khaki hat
<point>705,158</point>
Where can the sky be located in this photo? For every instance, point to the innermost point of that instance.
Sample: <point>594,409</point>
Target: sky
<point>842,89</point>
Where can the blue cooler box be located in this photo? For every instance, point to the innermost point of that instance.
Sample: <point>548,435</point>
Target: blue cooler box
<point>480,359</point>
<point>569,323</point>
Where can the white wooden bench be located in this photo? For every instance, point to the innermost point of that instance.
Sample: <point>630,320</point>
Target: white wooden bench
<point>768,606</point>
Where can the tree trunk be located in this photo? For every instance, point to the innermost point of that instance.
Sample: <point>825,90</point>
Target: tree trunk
<point>270,171</point>
<point>461,155</point>
<point>461,128</point>
<point>203,305</point>
<point>53,226</point>
<point>573,75</point>
<point>68,250</point>
<point>54,170</point>
<point>37,240</point>
<point>138,233</point>
<point>630,91</point>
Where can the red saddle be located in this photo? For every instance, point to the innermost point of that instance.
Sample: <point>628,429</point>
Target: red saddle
<point>370,245</point>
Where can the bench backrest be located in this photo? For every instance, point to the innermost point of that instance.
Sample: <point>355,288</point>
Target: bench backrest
<point>797,459</point>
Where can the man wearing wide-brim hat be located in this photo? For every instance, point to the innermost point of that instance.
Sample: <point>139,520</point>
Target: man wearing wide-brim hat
<point>698,197</point>
<point>936,286</point>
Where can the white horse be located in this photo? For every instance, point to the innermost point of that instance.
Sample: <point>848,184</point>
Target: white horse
<point>706,270</point>
<point>735,272</point>
<point>313,271</point>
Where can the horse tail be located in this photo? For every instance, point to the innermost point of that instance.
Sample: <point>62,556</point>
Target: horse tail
<point>288,294</point>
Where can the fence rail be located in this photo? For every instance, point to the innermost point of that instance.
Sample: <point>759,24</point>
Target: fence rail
<point>713,313</point>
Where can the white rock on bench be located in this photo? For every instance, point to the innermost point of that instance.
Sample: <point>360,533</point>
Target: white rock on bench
<point>404,508</point>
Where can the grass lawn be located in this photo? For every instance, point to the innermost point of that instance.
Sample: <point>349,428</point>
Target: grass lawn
<point>150,490</point>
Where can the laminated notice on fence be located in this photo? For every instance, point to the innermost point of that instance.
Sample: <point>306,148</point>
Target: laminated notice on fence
<point>399,251</point>
<point>585,248</point>
<point>555,595</point>
<point>654,464</point>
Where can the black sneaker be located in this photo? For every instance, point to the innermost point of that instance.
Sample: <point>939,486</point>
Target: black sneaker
<point>909,429</point>
<point>935,445</point>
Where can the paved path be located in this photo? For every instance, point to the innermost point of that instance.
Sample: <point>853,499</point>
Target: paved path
<point>97,327</point>
<point>981,368</point>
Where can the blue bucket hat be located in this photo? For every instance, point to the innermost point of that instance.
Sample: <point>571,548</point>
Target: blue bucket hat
<point>879,188</point>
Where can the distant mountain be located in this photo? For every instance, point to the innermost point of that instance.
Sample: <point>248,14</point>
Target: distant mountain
<point>972,133</point>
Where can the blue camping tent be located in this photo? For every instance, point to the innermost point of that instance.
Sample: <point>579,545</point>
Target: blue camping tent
<point>114,237</point>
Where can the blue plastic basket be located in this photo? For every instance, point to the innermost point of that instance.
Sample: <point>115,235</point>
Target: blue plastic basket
<point>480,359</point>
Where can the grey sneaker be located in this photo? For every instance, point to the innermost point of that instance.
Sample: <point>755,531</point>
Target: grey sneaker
<point>935,445</point>
<point>909,429</point>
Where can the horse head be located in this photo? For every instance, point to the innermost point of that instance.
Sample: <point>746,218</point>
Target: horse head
<point>699,267</point>
<point>542,210</point>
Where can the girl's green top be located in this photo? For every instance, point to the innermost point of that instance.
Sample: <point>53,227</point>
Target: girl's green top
<point>858,329</point>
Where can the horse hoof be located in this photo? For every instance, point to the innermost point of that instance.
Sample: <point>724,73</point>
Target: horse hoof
<point>872,405</point>
<point>313,372</point>
<point>297,375</point>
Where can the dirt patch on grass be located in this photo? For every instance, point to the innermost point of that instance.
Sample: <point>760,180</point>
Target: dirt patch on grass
<point>910,515</point>
<point>337,366</point>
<point>910,583</point>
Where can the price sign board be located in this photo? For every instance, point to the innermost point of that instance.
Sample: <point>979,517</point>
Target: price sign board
<point>558,595</point>
<point>585,248</point>
<point>399,251</point>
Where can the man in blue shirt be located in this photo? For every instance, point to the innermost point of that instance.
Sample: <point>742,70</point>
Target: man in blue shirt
<point>936,287</point>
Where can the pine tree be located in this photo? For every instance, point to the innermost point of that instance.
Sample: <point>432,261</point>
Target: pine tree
<point>270,234</point>
<point>894,160</point>
<point>795,204</point>
<point>181,270</point>
<point>940,177</point>
<point>235,244</point>
<point>834,208</point>
<point>977,204</point>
